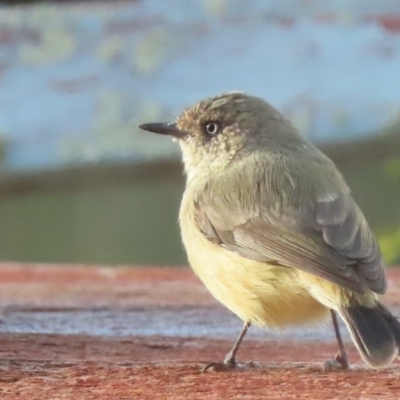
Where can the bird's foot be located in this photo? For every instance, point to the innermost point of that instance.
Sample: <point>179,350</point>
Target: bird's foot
<point>229,365</point>
<point>339,363</point>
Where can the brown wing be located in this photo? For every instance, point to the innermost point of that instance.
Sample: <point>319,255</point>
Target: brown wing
<point>330,239</point>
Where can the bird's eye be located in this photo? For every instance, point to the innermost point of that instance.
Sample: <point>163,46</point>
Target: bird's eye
<point>212,128</point>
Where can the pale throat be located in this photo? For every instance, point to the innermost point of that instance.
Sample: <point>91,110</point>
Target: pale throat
<point>199,167</point>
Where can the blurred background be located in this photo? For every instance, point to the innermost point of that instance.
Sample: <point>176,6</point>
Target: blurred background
<point>79,182</point>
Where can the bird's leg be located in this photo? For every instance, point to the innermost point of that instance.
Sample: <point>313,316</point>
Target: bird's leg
<point>231,356</point>
<point>230,363</point>
<point>340,362</point>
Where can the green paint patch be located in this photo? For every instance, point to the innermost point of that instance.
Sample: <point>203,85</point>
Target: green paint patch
<point>390,245</point>
<point>392,168</point>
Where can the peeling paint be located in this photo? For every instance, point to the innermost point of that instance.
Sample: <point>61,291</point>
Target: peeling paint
<point>56,44</point>
<point>151,51</point>
<point>331,66</point>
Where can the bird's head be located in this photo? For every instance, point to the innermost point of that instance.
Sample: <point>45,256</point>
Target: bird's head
<point>218,130</point>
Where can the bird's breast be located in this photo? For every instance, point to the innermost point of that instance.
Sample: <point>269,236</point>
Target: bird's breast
<point>263,294</point>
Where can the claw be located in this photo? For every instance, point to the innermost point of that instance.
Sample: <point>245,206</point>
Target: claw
<point>230,365</point>
<point>338,363</point>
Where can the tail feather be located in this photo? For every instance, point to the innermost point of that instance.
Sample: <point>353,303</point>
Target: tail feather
<point>375,331</point>
<point>392,322</point>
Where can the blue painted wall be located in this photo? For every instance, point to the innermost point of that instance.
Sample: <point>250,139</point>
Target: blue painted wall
<point>77,79</point>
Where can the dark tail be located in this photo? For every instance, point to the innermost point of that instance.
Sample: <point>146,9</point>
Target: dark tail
<point>375,331</point>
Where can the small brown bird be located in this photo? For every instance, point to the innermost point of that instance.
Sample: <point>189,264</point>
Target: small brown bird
<point>270,227</point>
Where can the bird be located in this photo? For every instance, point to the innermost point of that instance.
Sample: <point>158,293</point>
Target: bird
<point>271,228</point>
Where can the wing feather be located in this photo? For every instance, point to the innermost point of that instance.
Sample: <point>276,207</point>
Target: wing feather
<point>330,239</point>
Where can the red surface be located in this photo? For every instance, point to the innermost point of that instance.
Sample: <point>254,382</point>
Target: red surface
<point>36,366</point>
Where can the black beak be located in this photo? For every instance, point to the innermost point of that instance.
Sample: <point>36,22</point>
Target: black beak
<point>164,129</point>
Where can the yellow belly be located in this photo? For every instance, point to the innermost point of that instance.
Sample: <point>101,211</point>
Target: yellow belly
<point>265,295</point>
